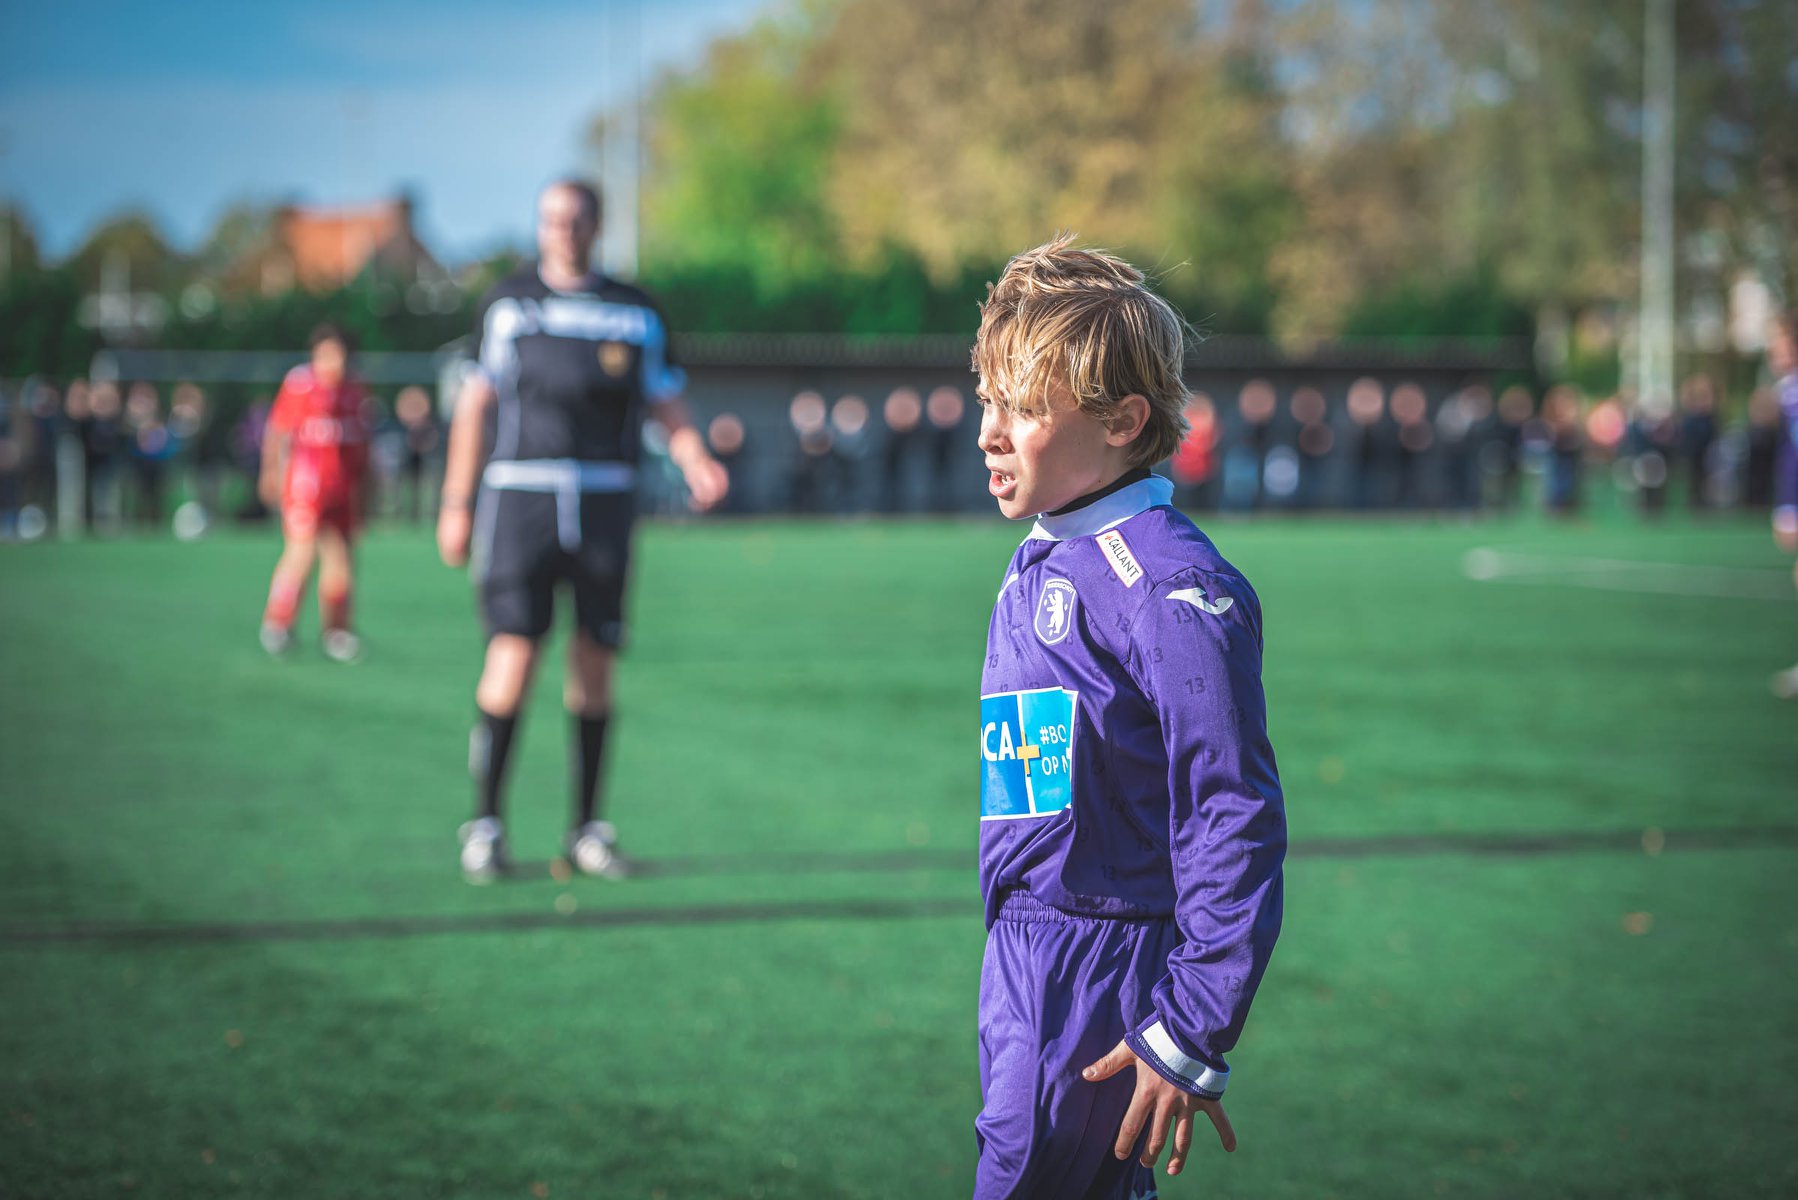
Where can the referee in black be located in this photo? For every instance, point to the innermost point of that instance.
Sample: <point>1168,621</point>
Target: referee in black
<point>569,364</point>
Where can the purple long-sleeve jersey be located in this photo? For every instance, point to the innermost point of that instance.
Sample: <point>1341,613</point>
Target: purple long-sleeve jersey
<point>1126,768</point>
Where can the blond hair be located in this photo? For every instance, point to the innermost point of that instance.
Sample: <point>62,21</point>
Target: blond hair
<point>1086,320</point>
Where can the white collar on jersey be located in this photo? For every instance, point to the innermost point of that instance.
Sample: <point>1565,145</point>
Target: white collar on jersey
<point>1104,512</point>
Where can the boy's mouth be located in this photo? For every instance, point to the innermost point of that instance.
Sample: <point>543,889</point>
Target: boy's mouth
<point>1001,485</point>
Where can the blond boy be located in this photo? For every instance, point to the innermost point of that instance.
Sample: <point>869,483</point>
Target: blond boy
<point>1132,825</point>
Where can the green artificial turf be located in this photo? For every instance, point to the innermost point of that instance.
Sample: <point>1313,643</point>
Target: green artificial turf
<point>237,959</point>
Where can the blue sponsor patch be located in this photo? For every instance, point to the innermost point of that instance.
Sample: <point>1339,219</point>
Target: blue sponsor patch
<point>1026,753</point>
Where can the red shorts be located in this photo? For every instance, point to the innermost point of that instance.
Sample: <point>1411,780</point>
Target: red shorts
<point>317,498</point>
<point>302,516</point>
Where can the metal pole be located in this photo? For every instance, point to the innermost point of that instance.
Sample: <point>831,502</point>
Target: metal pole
<point>1655,329</point>
<point>6,206</point>
<point>627,152</point>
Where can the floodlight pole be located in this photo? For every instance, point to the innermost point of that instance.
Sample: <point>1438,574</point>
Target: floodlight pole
<point>6,205</point>
<point>1654,329</point>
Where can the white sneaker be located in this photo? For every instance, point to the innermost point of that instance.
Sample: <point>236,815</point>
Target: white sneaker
<point>483,850</point>
<point>593,850</point>
<point>341,645</point>
<point>1785,683</point>
<point>276,640</point>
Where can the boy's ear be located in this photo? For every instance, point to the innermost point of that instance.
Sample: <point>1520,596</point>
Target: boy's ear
<point>1131,417</point>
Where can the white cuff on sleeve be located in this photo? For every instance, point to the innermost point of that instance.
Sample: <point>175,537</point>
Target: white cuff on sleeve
<point>1197,1076</point>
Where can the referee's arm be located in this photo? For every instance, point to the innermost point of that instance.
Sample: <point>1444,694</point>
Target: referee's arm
<point>706,478</point>
<point>462,469</point>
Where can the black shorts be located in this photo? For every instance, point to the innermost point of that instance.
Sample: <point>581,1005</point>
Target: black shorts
<point>525,543</point>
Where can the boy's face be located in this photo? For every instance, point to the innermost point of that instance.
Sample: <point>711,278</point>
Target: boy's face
<point>329,358</point>
<point>1037,464</point>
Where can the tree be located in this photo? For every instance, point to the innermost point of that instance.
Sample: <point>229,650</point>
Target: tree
<point>1318,167</point>
<point>39,332</point>
<point>241,228</point>
<point>131,246</point>
<point>855,136</point>
<point>1037,116</point>
<point>1743,126</point>
<point>739,155</point>
<point>18,242</point>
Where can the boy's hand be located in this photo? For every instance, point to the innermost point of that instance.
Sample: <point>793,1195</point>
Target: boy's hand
<point>1161,1104</point>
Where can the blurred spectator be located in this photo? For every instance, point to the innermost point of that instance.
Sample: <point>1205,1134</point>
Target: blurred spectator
<point>1458,425</point>
<point>1650,445</point>
<point>12,460</point>
<point>727,438</point>
<point>38,468</point>
<point>1566,450</point>
<point>1698,437</point>
<point>1411,410</point>
<point>103,443</point>
<point>944,409</point>
<point>1310,413</point>
<point>204,446</point>
<point>1501,451</point>
<point>74,500</point>
<point>1194,464</point>
<point>151,447</point>
<point>849,444</point>
<point>421,440</point>
<point>811,427</point>
<point>1245,453</point>
<point>1764,430</point>
<point>246,451</point>
<point>901,412</point>
<point>1366,407</point>
<point>387,454</point>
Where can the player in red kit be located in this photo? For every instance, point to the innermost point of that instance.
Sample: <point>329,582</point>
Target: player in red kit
<point>314,467</point>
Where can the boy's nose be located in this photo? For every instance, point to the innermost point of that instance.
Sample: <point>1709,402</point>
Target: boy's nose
<point>992,426</point>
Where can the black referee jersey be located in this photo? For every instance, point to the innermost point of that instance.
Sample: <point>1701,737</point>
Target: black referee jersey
<point>572,372</point>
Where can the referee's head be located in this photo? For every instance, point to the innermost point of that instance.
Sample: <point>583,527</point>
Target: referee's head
<point>567,223</point>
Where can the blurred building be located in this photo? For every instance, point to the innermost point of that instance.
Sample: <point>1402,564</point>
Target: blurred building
<point>321,248</point>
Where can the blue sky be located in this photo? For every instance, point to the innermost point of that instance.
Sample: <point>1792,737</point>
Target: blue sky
<point>181,108</point>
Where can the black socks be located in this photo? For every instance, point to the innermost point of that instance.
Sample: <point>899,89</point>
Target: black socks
<point>489,746</point>
<point>589,752</point>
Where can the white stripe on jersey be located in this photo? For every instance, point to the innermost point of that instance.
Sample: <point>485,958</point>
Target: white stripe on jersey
<point>510,318</point>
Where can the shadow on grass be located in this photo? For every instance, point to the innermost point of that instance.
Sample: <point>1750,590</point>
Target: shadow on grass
<point>1648,842</point>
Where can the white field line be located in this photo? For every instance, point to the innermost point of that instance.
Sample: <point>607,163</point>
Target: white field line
<point>1486,565</point>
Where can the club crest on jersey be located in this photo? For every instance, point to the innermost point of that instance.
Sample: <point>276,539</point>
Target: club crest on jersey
<point>1055,610</point>
<point>614,358</point>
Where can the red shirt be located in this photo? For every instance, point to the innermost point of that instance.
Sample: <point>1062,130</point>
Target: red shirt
<point>328,428</point>
<point>1192,462</point>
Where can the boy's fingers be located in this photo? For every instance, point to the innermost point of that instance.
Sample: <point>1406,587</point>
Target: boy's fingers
<point>1225,1134</point>
<point>1157,1135</point>
<point>1182,1143</point>
<point>1110,1065</point>
<point>1132,1126</point>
